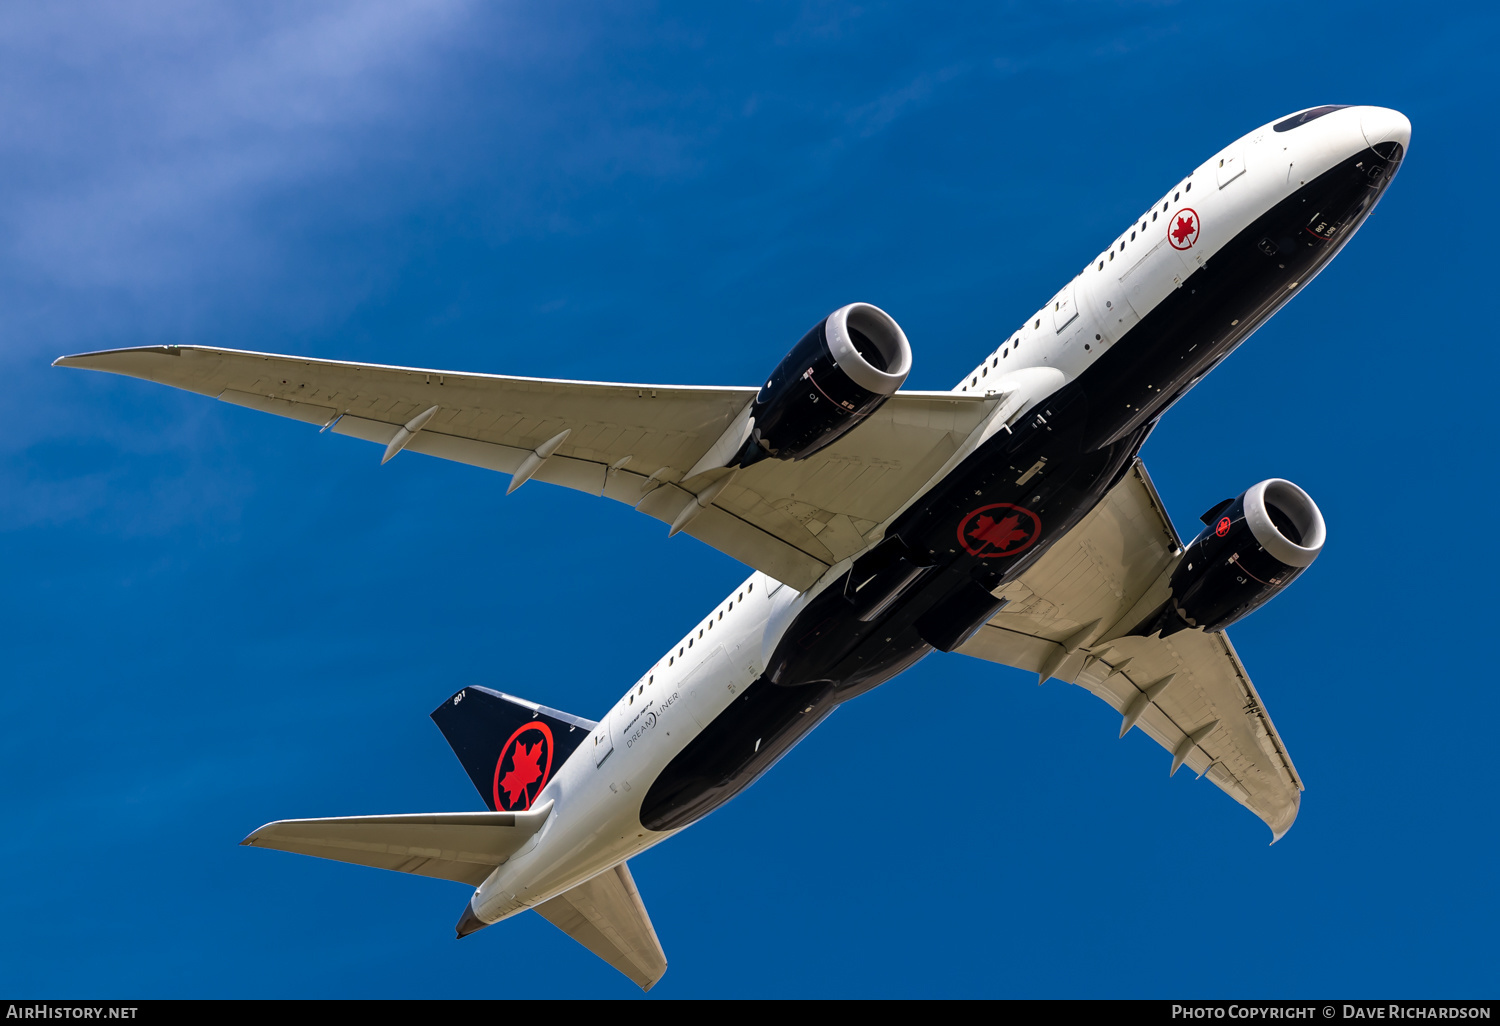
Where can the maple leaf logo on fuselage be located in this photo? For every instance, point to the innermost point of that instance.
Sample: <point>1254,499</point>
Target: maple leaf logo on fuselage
<point>999,530</point>
<point>1186,229</point>
<point>525,770</point>
<point>1002,533</point>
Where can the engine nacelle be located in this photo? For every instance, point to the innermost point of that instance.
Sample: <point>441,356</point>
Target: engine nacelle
<point>1252,548</point>
<point>840,373</point>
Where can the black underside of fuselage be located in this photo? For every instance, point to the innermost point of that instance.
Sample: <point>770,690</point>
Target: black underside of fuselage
<point>928,584</point>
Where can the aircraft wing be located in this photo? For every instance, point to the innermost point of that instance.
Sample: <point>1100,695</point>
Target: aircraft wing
<point>1188,692</point>
<point>631,443</point>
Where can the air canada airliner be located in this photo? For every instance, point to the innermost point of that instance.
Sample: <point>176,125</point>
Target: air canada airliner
<point>1009,519</point>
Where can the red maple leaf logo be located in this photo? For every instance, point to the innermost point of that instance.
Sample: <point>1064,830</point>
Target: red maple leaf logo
<point>524,771</point>
<point>1185,229</point>
<point>1000,533</point>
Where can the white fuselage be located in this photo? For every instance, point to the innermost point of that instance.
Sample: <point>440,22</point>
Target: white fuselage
<point>595,822</point>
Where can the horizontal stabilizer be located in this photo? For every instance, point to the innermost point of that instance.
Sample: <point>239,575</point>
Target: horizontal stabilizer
<point>461,846</point>
<point>606,916</point>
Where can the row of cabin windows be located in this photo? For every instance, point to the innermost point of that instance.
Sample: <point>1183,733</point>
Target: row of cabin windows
<point>1154,215</point>
<point>984,371</point>
<point>682,649</point>
<point>1016,342</point>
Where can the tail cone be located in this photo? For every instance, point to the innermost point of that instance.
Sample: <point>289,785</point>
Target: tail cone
<point>469,922</point>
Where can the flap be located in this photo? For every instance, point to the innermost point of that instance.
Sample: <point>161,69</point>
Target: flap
<point>461,846</point>
<point>631,443</point>
<point>606,916</point>
<point>1188,692</point>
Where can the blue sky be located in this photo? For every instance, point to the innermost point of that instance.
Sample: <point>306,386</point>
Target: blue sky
<point>216,618</point>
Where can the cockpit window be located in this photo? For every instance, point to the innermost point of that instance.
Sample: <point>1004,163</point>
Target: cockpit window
<point>1306,116</point>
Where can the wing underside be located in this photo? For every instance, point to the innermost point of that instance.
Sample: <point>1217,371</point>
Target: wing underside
<point>1189,692</point>
<point>630,443</point>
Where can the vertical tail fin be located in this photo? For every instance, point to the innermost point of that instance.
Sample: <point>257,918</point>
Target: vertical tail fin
<point>509,747</point>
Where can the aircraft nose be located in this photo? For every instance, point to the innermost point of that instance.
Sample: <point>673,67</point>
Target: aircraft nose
<point>1381,124</point>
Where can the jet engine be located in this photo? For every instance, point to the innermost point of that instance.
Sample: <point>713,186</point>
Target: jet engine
<point>1252,548</point>
<point>842,370</point>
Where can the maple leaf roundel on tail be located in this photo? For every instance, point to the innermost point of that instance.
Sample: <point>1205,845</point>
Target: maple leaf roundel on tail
<point>999,529</point>
<point>524,766</point>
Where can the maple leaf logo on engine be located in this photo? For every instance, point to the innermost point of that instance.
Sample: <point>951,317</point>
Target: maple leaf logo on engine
<point>523,768</point>
<point>999,529</point>
<point>1185,231</point>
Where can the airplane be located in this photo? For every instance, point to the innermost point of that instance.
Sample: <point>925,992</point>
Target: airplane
<point>1009,519</point>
